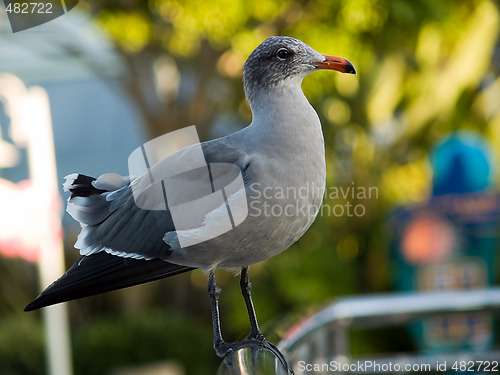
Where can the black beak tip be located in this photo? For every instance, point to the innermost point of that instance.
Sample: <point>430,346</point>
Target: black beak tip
<point>349,68</point>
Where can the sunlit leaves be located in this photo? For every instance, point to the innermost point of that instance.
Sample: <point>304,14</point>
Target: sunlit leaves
<point>363,15</point>
<point>407,183</point>
<point>187,22</point>
<point>130,30</point>
<point>386,91</point>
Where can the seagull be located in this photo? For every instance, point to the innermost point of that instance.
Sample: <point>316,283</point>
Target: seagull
<point>281,157</point>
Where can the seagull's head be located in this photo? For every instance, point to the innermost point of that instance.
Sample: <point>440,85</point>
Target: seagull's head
<point>280,59</point>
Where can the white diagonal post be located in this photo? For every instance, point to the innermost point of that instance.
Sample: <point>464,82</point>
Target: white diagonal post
<point>31,123</point>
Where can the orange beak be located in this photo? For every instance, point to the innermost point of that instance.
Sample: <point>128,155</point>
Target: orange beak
<point>336,63</point>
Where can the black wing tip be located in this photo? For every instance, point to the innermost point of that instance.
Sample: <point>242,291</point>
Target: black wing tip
<point>101,273</point>
<point>34,305</point>
<point>30,307</point>
<point>49,298</point>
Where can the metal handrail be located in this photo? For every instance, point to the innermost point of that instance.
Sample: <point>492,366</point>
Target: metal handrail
<point>390,309</point>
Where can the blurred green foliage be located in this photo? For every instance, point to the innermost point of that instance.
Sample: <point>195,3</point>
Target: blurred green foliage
<point>108,343</point>
<point>21,345</point>
<point>111,342</point>
<point>425,68</point>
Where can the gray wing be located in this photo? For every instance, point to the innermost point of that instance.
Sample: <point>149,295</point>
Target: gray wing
<point>113,222</point>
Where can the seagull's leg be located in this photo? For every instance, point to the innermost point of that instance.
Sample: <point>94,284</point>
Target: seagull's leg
<point>246,290</point>
<point>255,332</point>
<point>214,292</point>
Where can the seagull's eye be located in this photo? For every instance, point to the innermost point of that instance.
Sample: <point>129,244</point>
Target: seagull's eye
<point>283,54</point>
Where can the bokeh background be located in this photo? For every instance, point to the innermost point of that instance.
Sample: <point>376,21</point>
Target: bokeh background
<point>121,72</point>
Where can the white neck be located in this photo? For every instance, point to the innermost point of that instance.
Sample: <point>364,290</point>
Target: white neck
<point>285,128</point>
<point>285,113</point>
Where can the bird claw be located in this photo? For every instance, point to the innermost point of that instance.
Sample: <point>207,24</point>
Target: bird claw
<point>274,349</point>
<point>259,342</point>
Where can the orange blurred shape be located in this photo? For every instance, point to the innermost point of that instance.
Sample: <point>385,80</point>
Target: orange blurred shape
<point>428,239</point>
